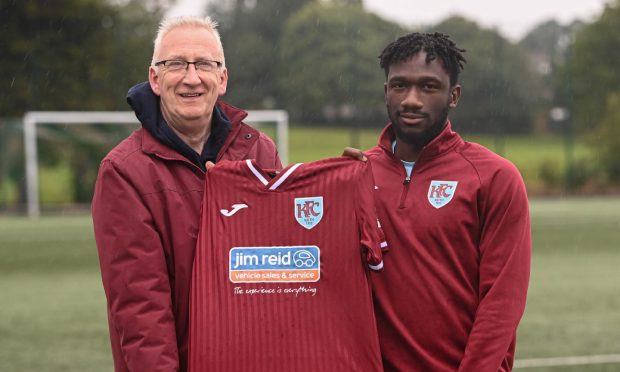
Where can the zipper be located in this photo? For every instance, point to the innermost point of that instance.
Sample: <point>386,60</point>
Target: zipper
<point>183,160</point>
<point>406,181</point>
<point>403,195</point>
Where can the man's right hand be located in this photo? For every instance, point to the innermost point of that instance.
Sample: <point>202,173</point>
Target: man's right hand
<point>354,153</point>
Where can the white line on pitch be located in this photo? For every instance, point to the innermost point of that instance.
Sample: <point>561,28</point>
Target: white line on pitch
<point>567,361</point>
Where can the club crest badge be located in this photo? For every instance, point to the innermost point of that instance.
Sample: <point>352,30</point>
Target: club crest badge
<point>440,193</point>
<point>309,211</point>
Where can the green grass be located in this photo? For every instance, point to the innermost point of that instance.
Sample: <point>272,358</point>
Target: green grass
<point>53,317</point>
<point>573,300</point>
<point>528,153</point>
<point>58,184</point>
<point>307,144</point>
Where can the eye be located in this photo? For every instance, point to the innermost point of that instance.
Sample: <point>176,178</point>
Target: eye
<point>397,85</point>
<point>430,86</point>
<point>175,64</point>
<point>206,65</point>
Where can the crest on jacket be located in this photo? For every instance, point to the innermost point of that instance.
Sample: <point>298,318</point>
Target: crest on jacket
<point>440,193</point>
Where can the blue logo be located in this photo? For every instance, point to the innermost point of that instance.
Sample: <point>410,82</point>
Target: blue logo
<point>304,259</point>
<point>309,211</point>
<point>274,264</point>
<point>440,193</point>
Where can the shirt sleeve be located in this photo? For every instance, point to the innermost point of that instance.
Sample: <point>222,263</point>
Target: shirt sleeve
<point>505,255</point>
<point>371,234</point>
<point>135,276</point>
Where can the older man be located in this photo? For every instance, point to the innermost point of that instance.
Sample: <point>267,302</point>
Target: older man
<point>150,187</point>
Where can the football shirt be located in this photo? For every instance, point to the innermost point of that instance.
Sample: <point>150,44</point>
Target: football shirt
<point>280,278</point>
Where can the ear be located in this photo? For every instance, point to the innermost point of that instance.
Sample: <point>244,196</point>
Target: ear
<point>223,81</point>
<point>455,94</point>
<point>154,80</point>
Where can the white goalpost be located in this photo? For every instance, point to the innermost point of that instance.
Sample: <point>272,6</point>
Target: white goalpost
<point>33,118</point>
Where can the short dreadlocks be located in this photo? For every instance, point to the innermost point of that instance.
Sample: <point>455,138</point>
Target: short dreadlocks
<point>436,45</point>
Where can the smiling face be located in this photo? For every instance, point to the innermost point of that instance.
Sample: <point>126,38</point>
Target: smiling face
<point>188,96</point>
<point>418,96</point>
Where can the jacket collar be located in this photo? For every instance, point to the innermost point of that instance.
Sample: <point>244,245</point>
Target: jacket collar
<point>241,137</point>
<point>238,142</point>
<point>444,142</point>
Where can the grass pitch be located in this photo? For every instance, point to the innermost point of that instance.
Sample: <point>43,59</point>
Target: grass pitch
<point>53,317</point>
<point>53,314</point>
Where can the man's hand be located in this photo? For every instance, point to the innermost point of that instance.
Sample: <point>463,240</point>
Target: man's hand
<point>209,165</point>
<point>354,153</point>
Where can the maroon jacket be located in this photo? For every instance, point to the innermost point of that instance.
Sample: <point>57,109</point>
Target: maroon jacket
<point>455,281</point>
<point>146,216</point>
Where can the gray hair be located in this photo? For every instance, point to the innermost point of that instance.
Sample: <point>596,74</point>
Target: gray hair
<point>169,24</point>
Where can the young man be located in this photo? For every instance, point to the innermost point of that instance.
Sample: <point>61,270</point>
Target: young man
<point>150,188</point>
<point>456,219</point>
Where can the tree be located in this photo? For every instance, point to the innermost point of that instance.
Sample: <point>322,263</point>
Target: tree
<point>250,33</point>
<point>498,81</point>
<point>591,68</point>
<point>548,41</point>
<point>607,138</point>
<point>329,69</point>
<point>73,55</point>
<point>547,45</point>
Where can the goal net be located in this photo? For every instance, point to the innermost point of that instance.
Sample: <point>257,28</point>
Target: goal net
<point>33,119</point>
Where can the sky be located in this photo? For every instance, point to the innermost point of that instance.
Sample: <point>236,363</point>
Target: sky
<point>513,19</point>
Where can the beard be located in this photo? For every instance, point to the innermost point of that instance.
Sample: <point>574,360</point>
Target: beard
<point>422,139</point>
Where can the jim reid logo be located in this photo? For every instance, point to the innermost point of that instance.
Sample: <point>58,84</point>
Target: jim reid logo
<point>274,264</point>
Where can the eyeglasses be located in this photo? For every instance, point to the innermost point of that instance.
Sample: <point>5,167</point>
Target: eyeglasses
<point>178,65</point>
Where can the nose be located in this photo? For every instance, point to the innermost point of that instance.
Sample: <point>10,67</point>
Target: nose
<point>412,99</point>
<point>191,75</point>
